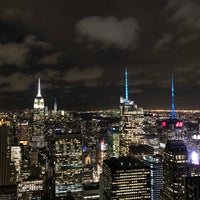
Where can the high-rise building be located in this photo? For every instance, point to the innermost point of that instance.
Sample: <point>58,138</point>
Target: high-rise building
<point>55,107</point>
<point>38,138</point>
<point>39,100</point>
<point>113,143</point>
<point>68,165</point>
<point>192,188</point>
<point>131,123</point>
<point>140,150</point>
<point>7,168</point>
<point>174,170</point>
<point>155,162</point>
<point>125,178</point>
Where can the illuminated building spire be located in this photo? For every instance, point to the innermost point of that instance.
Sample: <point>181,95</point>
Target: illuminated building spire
<point>126,84</point>
<point>173,113</point>
<point>55,105</point>
<point>39,89</point>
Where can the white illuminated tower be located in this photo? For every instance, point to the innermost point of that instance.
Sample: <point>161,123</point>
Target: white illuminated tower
<point>39,101</point>
<point>55,107</point>
<point>131,124</point>
<point>38,140</point>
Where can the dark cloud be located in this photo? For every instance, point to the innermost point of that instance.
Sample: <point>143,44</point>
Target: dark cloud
<point>13,54</point>
<point>15,82</point>
<point>12,15</point>
<point>188,39</point>
<point>164,40</point>
<point>109,31</point>
<point>136,91</point>
<point>31,40</point>
<point>51,59</point>
<point>81,51</point>
<point>78,74</point>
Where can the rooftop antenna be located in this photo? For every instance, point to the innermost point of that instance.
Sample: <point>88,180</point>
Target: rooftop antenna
<point>126,84</point>
<point>173,113</point>
<point>39,89</point>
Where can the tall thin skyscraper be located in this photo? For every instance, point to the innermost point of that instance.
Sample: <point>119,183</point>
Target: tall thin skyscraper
<point>38,140</point>
<point>39,101</point>
<point>7,175</point>
<point>68,165</point>
<point>126,85</point>
<point>55,107</point>
<point>155,162</point>
<point>173,113</point>
<point>174,170</point>
<point>131,124</point>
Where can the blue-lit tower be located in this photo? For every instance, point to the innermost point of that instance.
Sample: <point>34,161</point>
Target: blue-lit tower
<point>131,125</point>
<point>173,113</point>
<point>126,84</point>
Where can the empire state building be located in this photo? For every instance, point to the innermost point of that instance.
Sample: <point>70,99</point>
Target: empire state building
<point>38,101</point>
<point>38,137</point>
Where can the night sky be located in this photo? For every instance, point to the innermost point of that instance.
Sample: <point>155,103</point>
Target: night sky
<point>80,48</point>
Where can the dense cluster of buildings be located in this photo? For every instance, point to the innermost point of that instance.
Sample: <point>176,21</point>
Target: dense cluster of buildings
<point>122,154</point>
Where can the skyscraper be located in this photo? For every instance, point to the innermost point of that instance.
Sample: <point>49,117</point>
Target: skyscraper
<point>131,124</point>
<point>38,138</point>
<point>125,178</point>
<point>155,163</point>
<point>192,188</point>
<point>113,143</point>
<point>39,101</point>
<point>174,170</point>
<point>68,165</point>
<point>173,113</point>
<point>7,168</point>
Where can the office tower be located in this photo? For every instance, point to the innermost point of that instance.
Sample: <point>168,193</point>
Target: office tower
<point>24,133</point>
<point>8,192</point>
<point>113,142</point>
<point>155,162</point>
<point>172,127</point>
<point>16,158</point>
<point>153,140</point>
<point>140,150</point>
<point>68,165</point>
<point>131,124</point>
<point>125,178</point>
<point>91,191</point>
<point>7,168</point>
<point>174,170</point>
<point>31,189</point>
<point>38,137</point>
<point>55,107</point>
<point>39,101</point>
<point>192,188</point>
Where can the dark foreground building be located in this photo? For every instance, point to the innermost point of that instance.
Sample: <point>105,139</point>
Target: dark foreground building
<point>175,169</point>
<point>125,178</point>
<point>192,188</point>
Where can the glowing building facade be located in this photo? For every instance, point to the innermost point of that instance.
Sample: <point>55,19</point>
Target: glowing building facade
<point>125,178</point>
<point>68,165</point>
<point>175,169</point>
<point>155,162</point>
<point>38,138</point>
<point>39,101</point>
<point>113,143</point>
<point>131,124</point>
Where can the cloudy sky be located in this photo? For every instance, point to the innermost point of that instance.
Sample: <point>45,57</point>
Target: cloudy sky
<point>79,49</point>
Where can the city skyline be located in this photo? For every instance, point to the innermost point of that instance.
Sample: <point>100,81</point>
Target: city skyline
<point>79,50</point>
